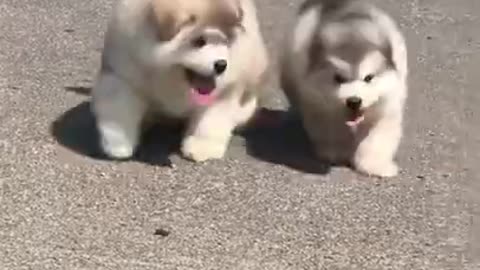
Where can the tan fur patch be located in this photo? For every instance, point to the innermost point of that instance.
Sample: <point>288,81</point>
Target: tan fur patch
<point>171,15</point>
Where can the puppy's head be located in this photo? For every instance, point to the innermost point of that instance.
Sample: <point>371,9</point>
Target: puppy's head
<point>353,63</point>
<point>198,35</point>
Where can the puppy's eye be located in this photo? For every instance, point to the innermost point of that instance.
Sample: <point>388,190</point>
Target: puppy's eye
<point>199,42</point>
<point>368,78</point>
<point>339,79</point>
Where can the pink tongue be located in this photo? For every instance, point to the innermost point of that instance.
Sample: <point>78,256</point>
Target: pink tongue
<point>355,122</point>
<point>202,97</point>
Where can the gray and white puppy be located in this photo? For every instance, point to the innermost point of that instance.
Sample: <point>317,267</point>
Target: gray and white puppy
<point>344,69</point>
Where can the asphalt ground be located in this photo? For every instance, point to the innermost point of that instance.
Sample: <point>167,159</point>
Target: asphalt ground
<point>266,205</point>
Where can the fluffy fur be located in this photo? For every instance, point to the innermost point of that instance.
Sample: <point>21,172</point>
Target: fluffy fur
<point>202,61</point>
<point>345,72</point>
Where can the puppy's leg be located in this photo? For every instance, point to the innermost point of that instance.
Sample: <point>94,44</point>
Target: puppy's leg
<point>375,154</point>
<point>324,133</point>
<point>326,147</point>
<point>119,113</point>
<point>210,130</point>
<point>330,151</point>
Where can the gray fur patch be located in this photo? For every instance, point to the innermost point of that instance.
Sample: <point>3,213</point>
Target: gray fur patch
<point>351,13</point>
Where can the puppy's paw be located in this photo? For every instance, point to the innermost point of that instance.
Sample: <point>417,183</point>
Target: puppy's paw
<point>117,142</point>
<point>331,155</point>
<point>116,145</point>
<point>117,150</point>
<point>200,149</point>
<point>376,168</point>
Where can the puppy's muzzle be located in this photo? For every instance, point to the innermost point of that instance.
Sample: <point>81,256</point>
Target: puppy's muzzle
<point>220,66</point>
<point>354,103</point>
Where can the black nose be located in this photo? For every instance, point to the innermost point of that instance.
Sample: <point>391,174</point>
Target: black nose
<point>354,103</point>
<point>220,66</point>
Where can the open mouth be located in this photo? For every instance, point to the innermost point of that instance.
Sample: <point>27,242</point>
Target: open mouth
<point>202,91</point>
<point>354,118</point>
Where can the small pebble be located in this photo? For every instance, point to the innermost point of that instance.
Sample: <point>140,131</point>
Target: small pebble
<point>162,232</point>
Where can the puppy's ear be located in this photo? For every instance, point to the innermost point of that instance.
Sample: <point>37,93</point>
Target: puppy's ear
<point>238,12</point>
<point>396,52</point>
<point>167,18</point>
<point>315,53</point>
<point>394,47</point>
<point>387,51</point>
<point>231,14</point>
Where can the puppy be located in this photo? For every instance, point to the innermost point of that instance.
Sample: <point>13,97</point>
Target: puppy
<point>344,71</point>
<point>201,61</point>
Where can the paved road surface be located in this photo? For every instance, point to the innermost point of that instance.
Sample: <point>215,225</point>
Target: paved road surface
<point>263,207</point>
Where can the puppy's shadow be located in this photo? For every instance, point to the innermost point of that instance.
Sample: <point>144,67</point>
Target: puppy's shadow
<point>274,136</point>
<point>278,137</point>
<point>77,131</point>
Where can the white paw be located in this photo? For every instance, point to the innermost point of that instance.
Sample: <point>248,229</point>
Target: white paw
<point>375,168</point>
<point>200,149</point>
<point>117,150</point>
<point>116,145</point>
<point>117,142</point>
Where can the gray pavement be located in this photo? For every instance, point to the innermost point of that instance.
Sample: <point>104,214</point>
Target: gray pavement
<point>64,207</point>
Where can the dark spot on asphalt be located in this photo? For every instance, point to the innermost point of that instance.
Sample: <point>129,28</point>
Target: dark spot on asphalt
<point>161,232</point>
<point>429,37</point>
<point>69,30</point>
<point>421,177</point>
<point>81,90</point>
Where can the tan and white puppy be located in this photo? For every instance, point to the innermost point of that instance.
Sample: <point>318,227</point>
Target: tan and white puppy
<point>202,61</point>
<point>345,71</point>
